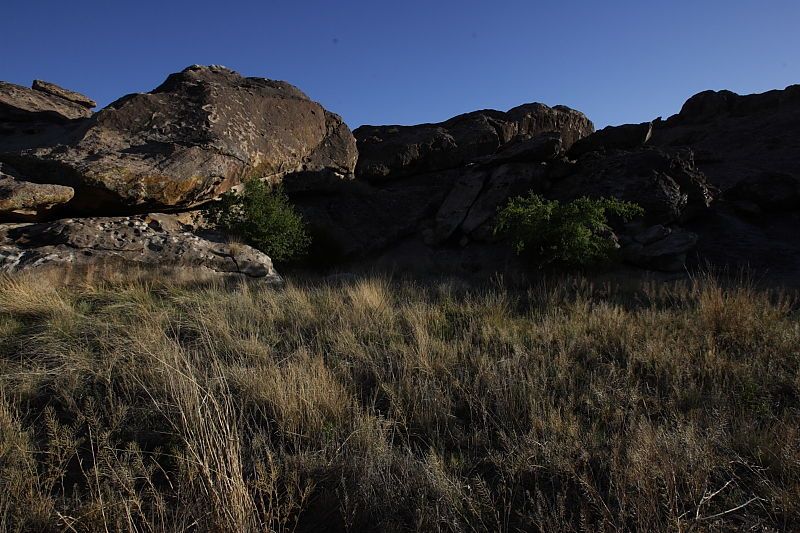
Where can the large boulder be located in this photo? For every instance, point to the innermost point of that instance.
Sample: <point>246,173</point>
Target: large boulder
<point>390,152</point>
<point>361,219</point>
<point>21,197</point>
<point>156,240</point>
<point>195,136</point>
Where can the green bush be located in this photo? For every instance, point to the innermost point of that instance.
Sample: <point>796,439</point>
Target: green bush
<point>574,234</point>
<point>262,217</point>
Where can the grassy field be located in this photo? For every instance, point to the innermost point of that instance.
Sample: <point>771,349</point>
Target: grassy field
<point>383,405</point>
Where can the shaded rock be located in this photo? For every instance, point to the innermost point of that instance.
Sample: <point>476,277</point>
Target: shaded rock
<point>361,219</point>
<point>506,181</point>
<point>652,234</point>
<point>666,254</point>
<point>156,240</point>
<point>766,244</point>
<point>390,152</point>
<point>195,136</point>
<point>457,204</point>
<point>625,137</point>
<point>666,184</point>
<point>545,147</point>
<point>746,208</point>
<point>769,190</point>
<point>24,197</point>
<point>19,104</point>
<point>737,138</point>
<point>66,94</point>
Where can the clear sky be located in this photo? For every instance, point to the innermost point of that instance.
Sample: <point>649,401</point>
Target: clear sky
<point>412,61</point>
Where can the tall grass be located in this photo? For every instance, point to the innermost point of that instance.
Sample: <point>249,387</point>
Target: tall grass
<point>380,405</point>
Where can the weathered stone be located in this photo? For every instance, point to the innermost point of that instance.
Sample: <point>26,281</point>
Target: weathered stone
<point>505,182</point>
<point>545,147</point>
<point>390,152</point>
<point>458,203</point>
<point>652,234</point>
<point>156,240</point>
<point>195,136</point>
<point>625,137</point>
<point>771,191</point>
<point>24,197</point>
<point>737,138</point>
<point>66,94</point>
<point>666,184</point>
<point>18,104</point>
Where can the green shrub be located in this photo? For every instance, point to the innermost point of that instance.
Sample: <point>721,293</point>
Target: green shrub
<point>262,217</point>
<point>574,234</point>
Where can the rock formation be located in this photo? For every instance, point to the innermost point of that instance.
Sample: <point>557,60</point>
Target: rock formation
<point>437,188</point>
<point>390,152</point>
<point>748,148</point>
<point>156,240</point>
<point>719,181</point>
<point>195,136</point>
<point>19,197</point>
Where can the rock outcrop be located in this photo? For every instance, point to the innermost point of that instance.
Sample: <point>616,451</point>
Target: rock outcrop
<point>625,137</point>
<point>748,146</point>
<point>737,138</point>
<point>66,94</point>
<point>719,181</point>
<point>195,136</point>
<point>666,184</point>
<point>440,186</point>
<point>156,240</point>
<point>391,152</point>
<point>44,102</point>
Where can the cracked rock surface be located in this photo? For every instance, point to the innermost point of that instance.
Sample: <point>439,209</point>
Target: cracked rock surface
<point>18,196</point>
<point>195,136</point>
<point>156,239</point>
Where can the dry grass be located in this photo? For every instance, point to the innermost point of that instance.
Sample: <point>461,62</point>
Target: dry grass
<point>379,405</point>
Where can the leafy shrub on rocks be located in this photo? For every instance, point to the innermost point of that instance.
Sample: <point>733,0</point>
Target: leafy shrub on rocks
<point>576,233</point>
<point>263,217</point>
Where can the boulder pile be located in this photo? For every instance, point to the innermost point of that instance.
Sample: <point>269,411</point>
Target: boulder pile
<point>719,181</point>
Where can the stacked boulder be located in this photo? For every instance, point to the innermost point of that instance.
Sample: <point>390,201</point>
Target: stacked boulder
<point>719,181</point>
<point>195,136</point>
<point>433,191</point>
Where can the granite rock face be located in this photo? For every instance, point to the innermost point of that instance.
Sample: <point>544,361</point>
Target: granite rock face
<point>48,103</point>
<point>737,138</point>
<point>391,152</point>
<point>441,184</point>
<point>719,181</point>
<point>748,146</point>
<point>156,240</point>
<point>195,136</point>
<point>667,184</point>
<point>20,197</point>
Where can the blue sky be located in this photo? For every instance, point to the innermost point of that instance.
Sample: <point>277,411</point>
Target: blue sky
<point>406,62</point>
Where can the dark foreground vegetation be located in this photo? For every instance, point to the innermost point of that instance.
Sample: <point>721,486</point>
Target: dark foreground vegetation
<point>380,405</point>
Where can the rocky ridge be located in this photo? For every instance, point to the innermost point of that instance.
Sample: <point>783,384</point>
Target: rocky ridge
<point>719,181</point>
